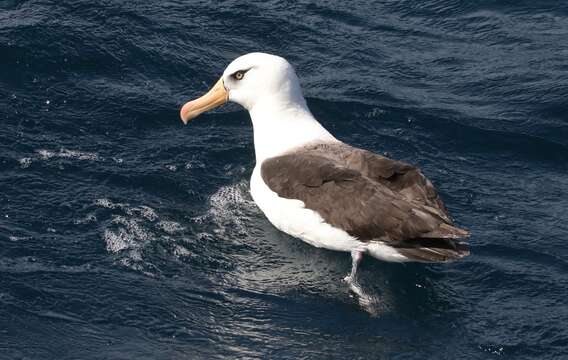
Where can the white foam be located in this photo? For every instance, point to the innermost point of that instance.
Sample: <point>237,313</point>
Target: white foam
<point>25,162</point>
<point>375,112</point>
<point>89,218</point>
<point>180,251</point>
<point>45,154</point>
<point>67,154</point>
<point>131,231</point>
<point>145,211</point>
<point>133,227</point>
<point>193,164</point>
<point>170,227</point>
<point>106,203</point>
<point>128,240</point>
<point>117,240</point>
<point>18,238</point>
<point>229,209</point>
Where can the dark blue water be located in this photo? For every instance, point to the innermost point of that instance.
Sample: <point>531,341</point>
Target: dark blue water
<point>125,235</point>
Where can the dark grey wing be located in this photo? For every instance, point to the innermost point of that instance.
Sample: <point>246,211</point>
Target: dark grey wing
<point>400,177</point>
<point>349,200</point>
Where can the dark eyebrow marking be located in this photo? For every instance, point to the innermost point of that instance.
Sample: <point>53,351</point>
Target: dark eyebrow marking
<point>244,71</point>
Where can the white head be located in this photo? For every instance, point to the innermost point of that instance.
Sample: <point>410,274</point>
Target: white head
<point>250,79</point>
<point>267,86</point>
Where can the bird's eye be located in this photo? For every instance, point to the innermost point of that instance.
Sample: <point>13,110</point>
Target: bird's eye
<point>239,75</point>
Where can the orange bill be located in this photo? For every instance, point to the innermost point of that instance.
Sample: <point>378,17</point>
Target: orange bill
<point>218,95</point>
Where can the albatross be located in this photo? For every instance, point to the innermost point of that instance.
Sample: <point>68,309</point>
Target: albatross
<point>323,191</point>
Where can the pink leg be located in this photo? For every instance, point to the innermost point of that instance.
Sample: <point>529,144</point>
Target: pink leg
<point>356,256</point>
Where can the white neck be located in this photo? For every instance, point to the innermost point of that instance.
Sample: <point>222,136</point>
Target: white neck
<point>280,126</point>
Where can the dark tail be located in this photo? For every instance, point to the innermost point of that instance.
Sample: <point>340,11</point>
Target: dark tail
<point>433,250</point>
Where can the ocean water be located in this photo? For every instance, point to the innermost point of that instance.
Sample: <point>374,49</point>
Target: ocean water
<point>126,235</point>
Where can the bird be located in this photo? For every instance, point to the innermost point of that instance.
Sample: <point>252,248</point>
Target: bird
<point>323,191</point>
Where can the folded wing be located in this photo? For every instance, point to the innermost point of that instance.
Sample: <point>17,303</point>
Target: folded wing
<point>369,196</point>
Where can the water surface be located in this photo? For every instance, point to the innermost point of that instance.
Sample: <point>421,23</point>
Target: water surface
<point>124,234</point>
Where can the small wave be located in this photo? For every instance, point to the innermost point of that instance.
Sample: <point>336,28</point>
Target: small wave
<point>67,154</point>
<point>31,264</point>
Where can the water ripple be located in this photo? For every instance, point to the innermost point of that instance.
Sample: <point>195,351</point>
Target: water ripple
<point>123,232</point>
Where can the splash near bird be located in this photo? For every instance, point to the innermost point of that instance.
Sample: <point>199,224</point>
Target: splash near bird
<point>325,192</point>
